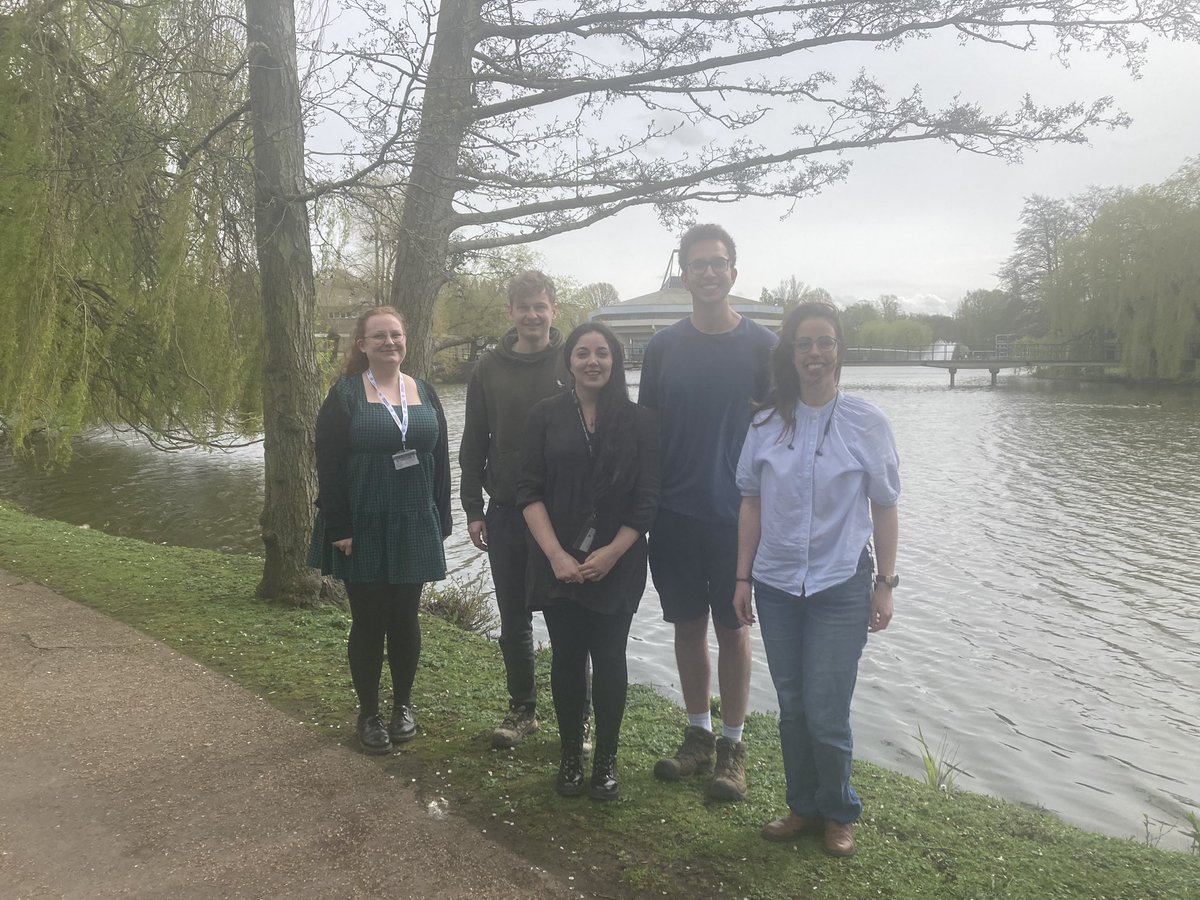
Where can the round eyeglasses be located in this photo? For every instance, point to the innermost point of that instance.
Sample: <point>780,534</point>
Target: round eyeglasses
<point>824,343</point>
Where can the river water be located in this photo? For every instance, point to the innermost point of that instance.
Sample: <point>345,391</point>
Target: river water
<point>1048,624</point>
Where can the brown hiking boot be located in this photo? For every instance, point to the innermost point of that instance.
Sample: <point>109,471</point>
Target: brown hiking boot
<point>694,756</point>
<point>519,722</point>
<point>729,776</point>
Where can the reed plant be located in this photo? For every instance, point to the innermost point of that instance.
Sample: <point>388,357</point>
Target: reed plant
<point>1193,834</point>
<point>940,766</point>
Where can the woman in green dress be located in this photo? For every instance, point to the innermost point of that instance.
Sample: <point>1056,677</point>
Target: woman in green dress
<point>383,474</point>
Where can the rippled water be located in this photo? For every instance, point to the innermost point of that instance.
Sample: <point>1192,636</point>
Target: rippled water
<point>1048,625</point>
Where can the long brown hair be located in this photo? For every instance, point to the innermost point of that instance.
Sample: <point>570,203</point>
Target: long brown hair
<point>356,361</point>
<point>785,380</point>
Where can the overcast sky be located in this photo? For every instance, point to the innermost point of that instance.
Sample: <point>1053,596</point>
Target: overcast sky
<point>923,221</point>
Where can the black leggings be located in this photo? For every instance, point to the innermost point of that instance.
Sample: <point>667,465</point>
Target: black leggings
<point>576,632</point>
<point>382,612</point>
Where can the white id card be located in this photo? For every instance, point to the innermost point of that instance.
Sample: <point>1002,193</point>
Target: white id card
<point>404,459</point>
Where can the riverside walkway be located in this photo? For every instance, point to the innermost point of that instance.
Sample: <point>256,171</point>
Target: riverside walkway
<point>127,769</point>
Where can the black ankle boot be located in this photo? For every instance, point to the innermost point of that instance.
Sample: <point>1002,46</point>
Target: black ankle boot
<point>372,736</point>
<point>604,785</point>
<point>570,768</point>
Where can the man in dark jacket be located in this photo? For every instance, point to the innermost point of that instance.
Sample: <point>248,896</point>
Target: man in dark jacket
<point>526,366</point>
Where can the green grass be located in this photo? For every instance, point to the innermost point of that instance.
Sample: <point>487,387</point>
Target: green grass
<point>914,841</point>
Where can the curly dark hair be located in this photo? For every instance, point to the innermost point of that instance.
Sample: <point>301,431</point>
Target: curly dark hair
<point>785,380</point>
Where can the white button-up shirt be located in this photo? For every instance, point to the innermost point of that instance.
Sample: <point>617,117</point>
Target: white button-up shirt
<point>816,516</point>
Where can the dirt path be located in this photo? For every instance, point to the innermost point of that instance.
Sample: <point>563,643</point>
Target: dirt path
<point>129,770</point>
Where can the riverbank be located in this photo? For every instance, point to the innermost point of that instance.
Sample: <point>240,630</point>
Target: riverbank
<point>915,841</point>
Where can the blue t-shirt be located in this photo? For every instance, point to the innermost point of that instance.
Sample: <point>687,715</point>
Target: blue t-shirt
<point>701,385</point>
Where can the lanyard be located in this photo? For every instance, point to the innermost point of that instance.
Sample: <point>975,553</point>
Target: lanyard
<point>587,436</point>
<point>402,419</point>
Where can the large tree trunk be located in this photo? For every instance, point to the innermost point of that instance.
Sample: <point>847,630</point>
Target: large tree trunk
<point>290,392</point>
<point>428,220</point>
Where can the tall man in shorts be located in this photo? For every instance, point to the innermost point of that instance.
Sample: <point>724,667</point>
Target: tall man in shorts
<point>701,375</point>
<point>525,367</point>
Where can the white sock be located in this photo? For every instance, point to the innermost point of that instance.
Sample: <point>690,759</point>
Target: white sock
<point>701,720</point>
<point>732,732</point>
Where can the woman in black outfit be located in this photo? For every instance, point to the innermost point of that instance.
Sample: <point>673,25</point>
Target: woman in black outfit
<point>589,489</point>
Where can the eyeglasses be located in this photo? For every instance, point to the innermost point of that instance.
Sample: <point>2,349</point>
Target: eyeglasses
<point>382,337</point>
<point>717,263</point>
<point>824,343</point>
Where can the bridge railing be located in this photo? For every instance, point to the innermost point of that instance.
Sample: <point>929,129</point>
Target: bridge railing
<point>1019,352</point>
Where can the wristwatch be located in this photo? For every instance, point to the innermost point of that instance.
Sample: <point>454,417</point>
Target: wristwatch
<point>890,580</point>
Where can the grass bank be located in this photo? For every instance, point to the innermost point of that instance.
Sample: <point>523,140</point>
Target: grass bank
<point>915,841</point>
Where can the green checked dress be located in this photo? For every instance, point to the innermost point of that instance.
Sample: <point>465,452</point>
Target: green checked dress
<point>398,519</point>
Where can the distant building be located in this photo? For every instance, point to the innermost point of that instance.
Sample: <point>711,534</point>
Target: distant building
<point>635,321</point>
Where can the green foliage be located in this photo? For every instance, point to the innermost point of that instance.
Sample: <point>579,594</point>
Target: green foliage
<point>889,307</point>
<point>899,334</point>
<point>982,315</point>
<point>939,765</point>
<point>854,317</point>
<point>1134,271</point>
<point>1193,834</point>
<point>128,291</point>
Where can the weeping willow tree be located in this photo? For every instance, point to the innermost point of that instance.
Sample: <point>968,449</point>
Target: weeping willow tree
<point>1134,271</point>
<point>128,288</point>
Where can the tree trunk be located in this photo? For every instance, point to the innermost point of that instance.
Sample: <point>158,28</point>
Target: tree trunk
<point>290,392</point>
<point>428,220</point>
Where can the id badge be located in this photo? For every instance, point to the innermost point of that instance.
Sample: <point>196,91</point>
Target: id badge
<point>404,459</point>
<point>587,536</point>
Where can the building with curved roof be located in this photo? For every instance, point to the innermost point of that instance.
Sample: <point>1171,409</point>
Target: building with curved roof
<point>635,321</point>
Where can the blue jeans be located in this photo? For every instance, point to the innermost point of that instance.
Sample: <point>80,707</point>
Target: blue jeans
<point>813,646</point>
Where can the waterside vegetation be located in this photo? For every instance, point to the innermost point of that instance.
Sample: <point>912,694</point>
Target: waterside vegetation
<point>915,841</point>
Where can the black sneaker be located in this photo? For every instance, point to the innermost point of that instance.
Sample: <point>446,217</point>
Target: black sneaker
<point>519,722</point>
<point>372,736</point>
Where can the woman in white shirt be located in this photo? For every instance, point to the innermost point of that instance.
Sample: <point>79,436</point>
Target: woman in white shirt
<point>819,477</point>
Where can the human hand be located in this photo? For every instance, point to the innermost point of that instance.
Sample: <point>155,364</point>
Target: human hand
<point>344,545</point>
<point>743,605</point>
<point>478,532</point>
<point>565,567</point>
<point>599,563</point>
<point>881,608</point>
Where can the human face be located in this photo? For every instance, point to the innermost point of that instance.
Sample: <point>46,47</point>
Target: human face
<point>591,363</point>
<point>816,366</point>
<point>532,317</point>
<point>384,341</point>
<point>707,285</point>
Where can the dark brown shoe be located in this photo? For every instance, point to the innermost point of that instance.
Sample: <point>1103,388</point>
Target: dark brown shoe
<point>839,839</point>
<point>793,826</point>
